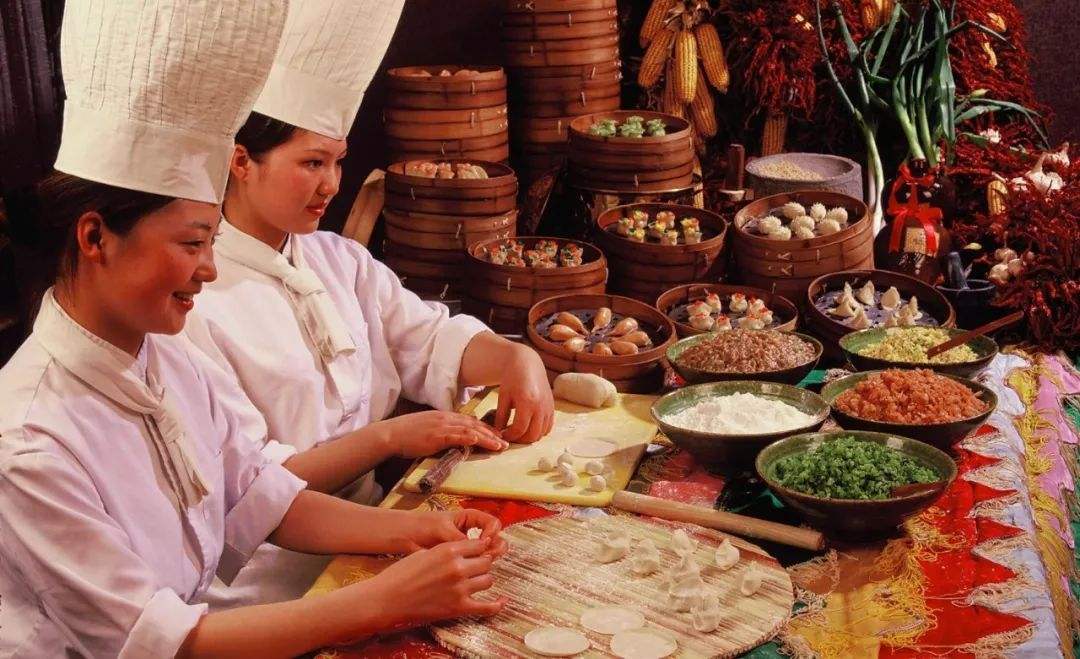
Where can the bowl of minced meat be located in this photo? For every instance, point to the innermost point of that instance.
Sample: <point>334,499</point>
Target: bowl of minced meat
<point>742,354</point>
<point>906,347</point>
<point>725,424</point>
<point>845,481</point>
<point>937,409</point>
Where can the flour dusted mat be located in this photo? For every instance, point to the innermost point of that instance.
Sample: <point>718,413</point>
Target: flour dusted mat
<point>512,474</point>
<point>551,576</point>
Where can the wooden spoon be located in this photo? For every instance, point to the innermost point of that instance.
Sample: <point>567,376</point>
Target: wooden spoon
<point>964,337</point>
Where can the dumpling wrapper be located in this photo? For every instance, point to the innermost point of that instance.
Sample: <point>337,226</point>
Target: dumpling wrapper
<point>609,620</point>
<point>586,389</point>
<point>556,641</point>
<point>642,644</point>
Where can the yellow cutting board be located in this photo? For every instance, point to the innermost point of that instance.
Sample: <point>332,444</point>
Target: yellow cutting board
<point>512,474</point>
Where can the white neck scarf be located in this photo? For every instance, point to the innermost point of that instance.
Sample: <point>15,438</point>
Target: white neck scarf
<point>109,370</point>
<point>318,315</point>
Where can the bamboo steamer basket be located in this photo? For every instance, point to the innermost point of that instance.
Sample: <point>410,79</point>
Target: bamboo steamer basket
<point>445,100</point>
<point>561,58</point>
<point>564,94</point>
<point>599,42</point>
<point>678,175</point>
<point>446,147</point>
<point>494,206</point>
<point>830,331</point>
<point>640,373</point>
<point>500,154</point>
<point>434,223</point>
<point>641,270</point>
<point>787,267</point>
<point>785,312</point>
<point>560,31</point>
<point>641,187</point>
<point>422,255</point>
<point>630,163</point>
<point>424,271</point>
<point>469,116</point>
<point>677,138</point>
<point>584,103</point>
<point>565,16</point>
<point>437,131</point>
<point>548,130</point>
<point>584,72</point>
<point>554,6</point>
<point>522,287</point>
<point>450,240</point>
<point>503,320</point>
<point>501,181</point>
<point>487,78</point>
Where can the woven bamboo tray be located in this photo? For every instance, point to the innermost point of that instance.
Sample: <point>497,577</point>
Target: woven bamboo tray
<point>550,577</point>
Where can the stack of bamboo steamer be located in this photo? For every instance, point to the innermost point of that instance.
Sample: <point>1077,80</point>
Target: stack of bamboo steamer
<point>431,222</point>
<point>449,111</point>
<point>563,61</point>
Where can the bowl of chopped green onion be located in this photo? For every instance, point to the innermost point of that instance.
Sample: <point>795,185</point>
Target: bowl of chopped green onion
<point>905,347</point>
<point>855,482</point>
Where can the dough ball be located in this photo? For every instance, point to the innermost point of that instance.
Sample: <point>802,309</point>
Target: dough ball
<point>585,389</point>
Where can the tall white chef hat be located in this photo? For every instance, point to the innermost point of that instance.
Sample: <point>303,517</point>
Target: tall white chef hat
<point>157,89</point>
<point>329,53</point>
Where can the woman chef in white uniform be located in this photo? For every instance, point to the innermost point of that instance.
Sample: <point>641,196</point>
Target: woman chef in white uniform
<point>126,480</point>
<point>321,336</point>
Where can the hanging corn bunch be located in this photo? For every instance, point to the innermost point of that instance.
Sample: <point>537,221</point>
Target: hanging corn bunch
<point>774,134</point>
<point>684,48</point>
<point>997,193</point>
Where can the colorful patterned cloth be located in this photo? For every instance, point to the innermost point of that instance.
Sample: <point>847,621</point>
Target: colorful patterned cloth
<point>986,571</point>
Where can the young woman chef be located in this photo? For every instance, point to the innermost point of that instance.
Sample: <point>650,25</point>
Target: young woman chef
<point>322,337</point>
<point>125,479</point>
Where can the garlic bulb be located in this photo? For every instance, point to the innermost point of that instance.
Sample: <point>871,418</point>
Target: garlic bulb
<point>1015,266</point>
<point>1004,254</point>
<point>999,274</point>
<point>1059,160</point>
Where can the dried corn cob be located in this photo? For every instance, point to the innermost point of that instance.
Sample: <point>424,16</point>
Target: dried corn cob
<point>885,10</point>
<point>685,66</point>
<point>671,105</point>
<point>996,21</point>
<point>773,135</point>
<point>652,64</point>
<point>996,194</point>
<point>871,15</point>
<point>654,21</point>
<point>712,56</point>
<point>702,110</point>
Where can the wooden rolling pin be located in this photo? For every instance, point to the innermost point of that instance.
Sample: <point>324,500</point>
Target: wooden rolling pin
<point>749,527</point>
<point>450,459</point>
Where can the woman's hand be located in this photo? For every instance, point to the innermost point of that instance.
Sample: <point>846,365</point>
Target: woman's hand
<point>525,390</point>
<point>439,584</point>
<point>423,530</point>
<point>426,433</point>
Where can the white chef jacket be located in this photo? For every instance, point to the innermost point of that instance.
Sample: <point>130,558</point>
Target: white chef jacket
<point>97,558</point>
<point>246,322</point>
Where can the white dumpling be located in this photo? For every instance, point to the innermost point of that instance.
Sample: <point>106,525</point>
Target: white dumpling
<point>818,211</point>
<point>645,558</point>
<point>845,309</point>
<point>756,306</point>
<point>698,308</point>
<point>727,555</point>
<point>861,321</point>
<point>890,299</point>
<point>737,303</point>
<point>702,321</point>
<point>751,323</point>
<point>686,593</point>
<point>768,224</point>
<point>706,616</point>
<point>783,233</point>
<point>828,227</point>
<point>801,222</point>
<point>567,476</point>
<point>792,210</point>
<point>866,293</point>
<point>804,233</point>
<point>681,543</point>
<point>723,323</point>
<point>839,214</point>
<point>613,547</point>
<point>751,581</point>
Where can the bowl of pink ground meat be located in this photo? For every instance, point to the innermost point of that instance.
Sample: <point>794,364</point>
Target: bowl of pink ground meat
<point>745,354</point>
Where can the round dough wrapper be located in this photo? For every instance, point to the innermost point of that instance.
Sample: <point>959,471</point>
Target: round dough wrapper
<point>556,641</point>
<point>642,644</point>
<point>592,448</point>
<point>610,620</point>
